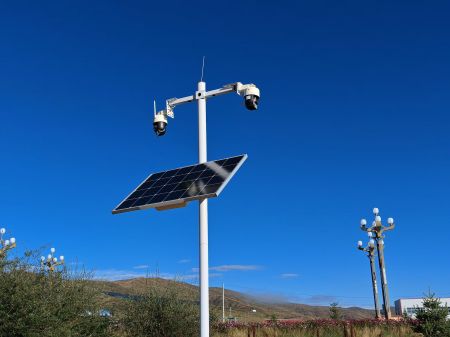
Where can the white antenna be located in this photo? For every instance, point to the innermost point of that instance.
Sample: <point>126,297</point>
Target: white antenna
<point>203,67</point>
<point>154,107</point>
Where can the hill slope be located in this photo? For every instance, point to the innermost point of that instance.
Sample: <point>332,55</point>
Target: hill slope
<point>242,305</point>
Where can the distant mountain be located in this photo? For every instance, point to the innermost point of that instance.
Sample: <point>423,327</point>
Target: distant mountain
<point>242,305</point>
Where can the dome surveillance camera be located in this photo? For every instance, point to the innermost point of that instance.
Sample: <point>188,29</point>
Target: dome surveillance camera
<point>160,124</point>
<point>251,98</point>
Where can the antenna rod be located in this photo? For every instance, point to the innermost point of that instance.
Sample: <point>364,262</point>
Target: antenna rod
<point>154,107</point>
<point>223,302</point>
<point>203,67</point>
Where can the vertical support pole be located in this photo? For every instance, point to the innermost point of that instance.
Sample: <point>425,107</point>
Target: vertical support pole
<point>223,302</point>
<point>374,285</point>
<point>203,216</point>
<point>384,287</point>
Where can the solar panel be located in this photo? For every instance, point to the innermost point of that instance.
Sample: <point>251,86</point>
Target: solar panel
<point>174,188</point>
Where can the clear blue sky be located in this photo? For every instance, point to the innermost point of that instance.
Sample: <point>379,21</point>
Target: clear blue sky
<point>354,114</point>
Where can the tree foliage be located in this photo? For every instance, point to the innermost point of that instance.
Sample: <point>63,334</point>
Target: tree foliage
<point>334,311</point>
<point>34,303</point>
<point>432,317</point>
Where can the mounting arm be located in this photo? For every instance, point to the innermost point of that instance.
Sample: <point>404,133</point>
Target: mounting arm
<point>238,87</point>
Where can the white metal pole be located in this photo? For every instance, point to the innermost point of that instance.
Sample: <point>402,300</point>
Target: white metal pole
<point>223,302</point>
<point>203,216</point>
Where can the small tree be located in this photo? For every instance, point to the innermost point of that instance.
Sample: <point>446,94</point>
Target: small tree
<point>432,317</point>
<point>274,319</point>
<point>335,313</point>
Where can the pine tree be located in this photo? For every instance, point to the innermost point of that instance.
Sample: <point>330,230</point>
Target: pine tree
<point>334,311</point>
<point>432,317</point>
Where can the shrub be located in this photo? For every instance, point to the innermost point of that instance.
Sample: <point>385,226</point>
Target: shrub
<point>161,313</point>
<point>34,303</point>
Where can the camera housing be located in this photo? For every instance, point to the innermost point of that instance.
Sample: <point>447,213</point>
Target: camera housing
<point>160,124</point>
<point>251,98</point>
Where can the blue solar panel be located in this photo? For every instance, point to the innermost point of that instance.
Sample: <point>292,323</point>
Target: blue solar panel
<point>176,187</point>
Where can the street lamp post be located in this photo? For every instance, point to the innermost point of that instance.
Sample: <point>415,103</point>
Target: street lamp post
<point>377,230</point>
<point>5,244</point>
<point>251,96</point>
<point>51,262</point>
<point>370,250</point>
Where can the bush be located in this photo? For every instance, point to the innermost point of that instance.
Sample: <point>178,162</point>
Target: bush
<point>161,313</point>
<point>34,303</point>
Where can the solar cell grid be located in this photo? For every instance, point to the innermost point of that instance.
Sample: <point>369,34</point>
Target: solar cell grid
<point>182,184</point>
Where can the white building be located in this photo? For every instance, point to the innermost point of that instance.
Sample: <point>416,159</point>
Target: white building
<point>410,305</point>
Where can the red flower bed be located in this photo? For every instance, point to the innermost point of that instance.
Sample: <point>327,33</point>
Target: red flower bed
<point>316,323</point>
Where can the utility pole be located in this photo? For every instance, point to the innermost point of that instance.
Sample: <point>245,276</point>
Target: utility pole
<point>377,230</point>
<point>174,197</point>
<point>203,216</point>
<point>370,249</point>
<point>251,96</point>
<point>223,302</point>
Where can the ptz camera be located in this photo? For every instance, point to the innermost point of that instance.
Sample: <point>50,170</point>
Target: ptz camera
<point>251,97</point>
<point>160,124</point>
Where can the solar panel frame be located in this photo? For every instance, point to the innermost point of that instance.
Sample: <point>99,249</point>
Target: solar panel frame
<point>180,201</point>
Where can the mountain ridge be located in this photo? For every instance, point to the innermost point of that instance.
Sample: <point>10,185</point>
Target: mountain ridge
<point>244,307</point>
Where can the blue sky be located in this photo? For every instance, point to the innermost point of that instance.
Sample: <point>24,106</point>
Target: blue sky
<point>354,114</point>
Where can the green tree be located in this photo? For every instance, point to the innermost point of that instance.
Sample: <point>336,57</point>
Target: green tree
<point>432,317</point>
<point>274,319</point>
<point>335,313</point>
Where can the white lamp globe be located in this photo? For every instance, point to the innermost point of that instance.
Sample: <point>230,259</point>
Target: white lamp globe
<point>52,250</point>
<point>13,240</point>
<point>378,218</point>
<point>360,243</point>
<point>42,258</point>
<point>390,221</point>
<point>369,234</point>
<point>55,259</point>
<point>363,222</point>
<point>49,257</point>
<point>61,258</point>
<point>376,211</point>
<point>7,243</point>
<point>2,231</point>
<point>371,243</point>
